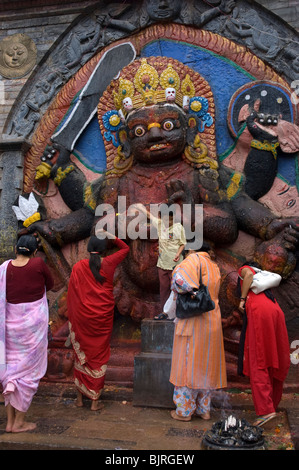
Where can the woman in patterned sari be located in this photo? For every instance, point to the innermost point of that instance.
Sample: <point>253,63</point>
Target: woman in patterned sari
<point>198,362</point>
<point>90,312</point>
<point>24,318</point>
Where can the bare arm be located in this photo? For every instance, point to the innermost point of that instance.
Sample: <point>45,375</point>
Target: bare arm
<point>247,277</point>
<point>179,252</point>
<point>143,209</point>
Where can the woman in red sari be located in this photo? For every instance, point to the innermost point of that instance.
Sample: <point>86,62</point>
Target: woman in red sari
<point>266,359</point>
<point>90,312</point>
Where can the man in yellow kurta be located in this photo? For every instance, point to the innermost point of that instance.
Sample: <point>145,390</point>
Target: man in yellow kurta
<point>198,361</point>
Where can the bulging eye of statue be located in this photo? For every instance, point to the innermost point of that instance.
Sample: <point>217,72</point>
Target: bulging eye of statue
<point>139,131</point>
<point>291,203</point>
<point>168,125</point>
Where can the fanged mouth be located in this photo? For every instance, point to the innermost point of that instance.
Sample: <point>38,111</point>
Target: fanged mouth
<point>159,146</point>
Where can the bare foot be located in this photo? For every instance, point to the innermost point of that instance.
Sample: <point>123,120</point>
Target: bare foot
<point>25,427</point>
<point>11,416</point>
<point>179,418</point>
<point>79,401</point>
<point>205,415</point>
<point>96,406</point>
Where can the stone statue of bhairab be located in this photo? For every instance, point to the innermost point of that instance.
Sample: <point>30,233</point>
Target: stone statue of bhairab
<point>157,123</point>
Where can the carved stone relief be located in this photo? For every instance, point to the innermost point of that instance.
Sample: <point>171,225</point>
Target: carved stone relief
<point>244,22</point>
<point>17,56</point>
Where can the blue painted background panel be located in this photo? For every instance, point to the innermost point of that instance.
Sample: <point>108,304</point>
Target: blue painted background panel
<point>90,147</point>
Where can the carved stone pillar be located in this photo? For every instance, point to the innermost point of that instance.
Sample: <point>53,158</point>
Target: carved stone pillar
<point>11,184</point>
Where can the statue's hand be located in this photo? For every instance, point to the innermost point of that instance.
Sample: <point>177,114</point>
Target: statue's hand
<point>43,170</point>
<point>287,230</point>
<point>56,155</point>
<point>226,6</point>
<point>179,192</point>
<point>41,228</point>
<point>208,186</point>
<point>278,254</point>
<point>101,19</point>
<point>105,20</point>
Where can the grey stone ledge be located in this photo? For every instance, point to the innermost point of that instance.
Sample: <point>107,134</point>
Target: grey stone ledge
<point>14,145</point>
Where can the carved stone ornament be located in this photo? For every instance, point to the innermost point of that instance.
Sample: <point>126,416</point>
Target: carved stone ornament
<point>17,56</point>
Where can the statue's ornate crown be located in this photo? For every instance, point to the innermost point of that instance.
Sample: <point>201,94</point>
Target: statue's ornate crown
<point>150,86</point>
<point>156,80</point>
<point>151,81</point>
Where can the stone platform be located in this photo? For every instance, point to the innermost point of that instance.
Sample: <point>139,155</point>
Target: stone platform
<point>121,428</point>
<point>152,365</point>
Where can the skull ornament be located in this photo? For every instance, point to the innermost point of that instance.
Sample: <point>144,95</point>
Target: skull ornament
<point>127,103</point>
<point>186,102</point>
<point>170,94</point>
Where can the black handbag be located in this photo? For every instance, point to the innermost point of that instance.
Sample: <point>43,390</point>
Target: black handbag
<point>194,303</point>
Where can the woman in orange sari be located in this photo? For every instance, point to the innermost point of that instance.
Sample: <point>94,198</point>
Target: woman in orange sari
<point>90,312</point>
<point>198,362</point>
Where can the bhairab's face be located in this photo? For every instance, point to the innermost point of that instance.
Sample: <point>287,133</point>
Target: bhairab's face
<point>157,133</point>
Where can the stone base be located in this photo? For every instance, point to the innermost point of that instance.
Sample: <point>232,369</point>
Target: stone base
<point>152,365</point>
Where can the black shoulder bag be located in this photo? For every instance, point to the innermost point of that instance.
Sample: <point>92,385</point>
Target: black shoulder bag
<point>194,303</point>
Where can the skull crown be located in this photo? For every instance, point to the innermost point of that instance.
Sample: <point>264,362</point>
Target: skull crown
<point>153,84</point>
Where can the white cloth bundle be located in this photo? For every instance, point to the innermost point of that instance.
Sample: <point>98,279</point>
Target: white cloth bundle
<point>263,280</point>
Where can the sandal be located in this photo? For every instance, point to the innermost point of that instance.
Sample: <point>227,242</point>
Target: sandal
<point>179,418</point>
<point>264,419</point>
<point>161,316</point>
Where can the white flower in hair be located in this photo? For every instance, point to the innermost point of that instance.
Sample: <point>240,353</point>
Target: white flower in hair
<point>27,210</point>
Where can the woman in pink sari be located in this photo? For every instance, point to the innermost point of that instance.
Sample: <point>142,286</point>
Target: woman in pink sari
<point>24,317</point>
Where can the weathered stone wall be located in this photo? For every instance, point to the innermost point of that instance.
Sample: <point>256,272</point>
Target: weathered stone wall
<point>43,25</point>
<point>288,10</point>
<point>44,28</point>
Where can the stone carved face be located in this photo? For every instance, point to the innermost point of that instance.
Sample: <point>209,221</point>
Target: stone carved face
<point>15,55</point>
<point>163,9</point>
<point>157,133</point>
